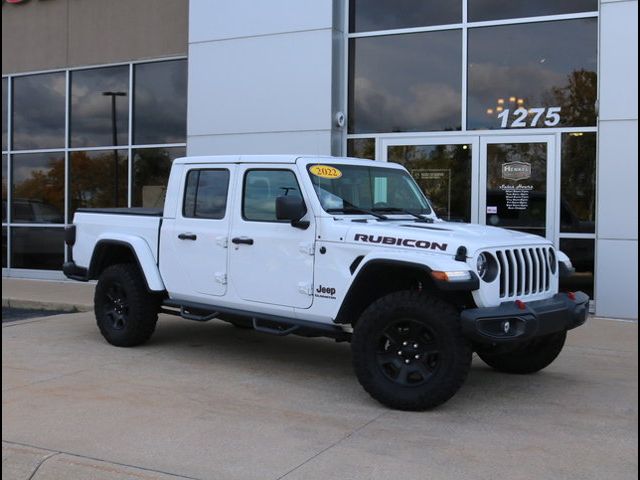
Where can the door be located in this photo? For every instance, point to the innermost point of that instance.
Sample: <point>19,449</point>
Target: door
<point>270,261</point>
<point>194,244</point>
<point>445,168</point>
<point>516,172</point>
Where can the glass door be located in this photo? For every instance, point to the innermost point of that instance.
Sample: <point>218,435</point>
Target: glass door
<point>517,174</point>
<point>444,167</point>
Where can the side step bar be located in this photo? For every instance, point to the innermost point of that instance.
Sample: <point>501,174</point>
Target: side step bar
<point>262,322</point>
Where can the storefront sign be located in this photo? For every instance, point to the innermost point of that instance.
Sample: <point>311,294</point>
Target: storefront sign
<point>516,196</point>
<point>516,171</point>
<point>522,117</point>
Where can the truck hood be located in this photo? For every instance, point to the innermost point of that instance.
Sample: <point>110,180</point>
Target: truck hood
<point>439,237</point>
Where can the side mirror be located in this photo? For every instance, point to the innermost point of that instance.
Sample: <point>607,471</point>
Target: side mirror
<point>292,209</point>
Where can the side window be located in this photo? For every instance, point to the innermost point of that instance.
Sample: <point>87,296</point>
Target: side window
<point>261,188</point>
<point>205,194</point>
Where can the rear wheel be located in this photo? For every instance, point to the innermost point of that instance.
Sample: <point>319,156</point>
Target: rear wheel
<point>409,352</point>
<point>530,357</point>
<point>126,312</point>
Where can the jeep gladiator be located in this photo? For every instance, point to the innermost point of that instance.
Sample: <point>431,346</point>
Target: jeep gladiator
<point>336,247</point>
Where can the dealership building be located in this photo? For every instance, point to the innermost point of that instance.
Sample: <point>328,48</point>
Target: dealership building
<point>516,113</point>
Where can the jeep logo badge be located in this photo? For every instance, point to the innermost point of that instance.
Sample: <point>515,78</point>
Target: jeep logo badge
<point>516,170</point>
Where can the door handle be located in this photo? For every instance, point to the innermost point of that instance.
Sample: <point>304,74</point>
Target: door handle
<point>187,236</point>
<point>242,240</point>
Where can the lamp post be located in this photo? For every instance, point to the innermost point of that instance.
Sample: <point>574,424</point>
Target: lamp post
<point>114,131</point>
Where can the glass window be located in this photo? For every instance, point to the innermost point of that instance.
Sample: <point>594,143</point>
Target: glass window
<point>160,103</point>
<point>151,167</point>
<point>37,188</point>
<point>480,10</point>
<point>5,106</point>
<point>5,167</point>
<point>517,186</point>
<point>206,194</point>
<point>581,252</point>
<point>354,189</point>
<point>578,188</point>
<point>39,111</point>
<point>261,188</point>
<point>368,15</point>
<point>404,83</point>
<point>444,175</point>
<point>533,75</point>
<point>38,248</point>
<point>97,179</point>
<point>99,107</point>
<point>362,148</point>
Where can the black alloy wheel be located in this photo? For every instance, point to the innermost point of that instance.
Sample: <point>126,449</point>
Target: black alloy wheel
<point>408,353</point>
<point>117,307</point>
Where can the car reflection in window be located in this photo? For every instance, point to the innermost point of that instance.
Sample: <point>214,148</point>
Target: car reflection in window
<point>35,211</point>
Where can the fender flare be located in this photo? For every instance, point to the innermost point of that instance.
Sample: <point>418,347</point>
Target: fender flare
<point>141,252</point>
<point>444,264</point>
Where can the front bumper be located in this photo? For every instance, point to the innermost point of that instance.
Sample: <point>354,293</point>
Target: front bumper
<point>510,323</point>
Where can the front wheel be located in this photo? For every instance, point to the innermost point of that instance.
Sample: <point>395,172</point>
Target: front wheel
<point>126,312</point>
<point>409,352</point>
<point>527,358</point>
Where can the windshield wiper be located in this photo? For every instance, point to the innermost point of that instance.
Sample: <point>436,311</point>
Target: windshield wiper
<point>354,209</point>
<point>418,216</point>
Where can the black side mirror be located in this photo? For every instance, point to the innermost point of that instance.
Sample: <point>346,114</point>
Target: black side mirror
<point>292,209</point>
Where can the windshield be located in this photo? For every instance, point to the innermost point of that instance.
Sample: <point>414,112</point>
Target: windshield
<point>357,189</point>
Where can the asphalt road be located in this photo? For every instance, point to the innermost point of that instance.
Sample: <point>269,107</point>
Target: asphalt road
<point>209,401</point>
<point>15,314</point>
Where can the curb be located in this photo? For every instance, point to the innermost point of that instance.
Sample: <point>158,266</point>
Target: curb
<point>34,304</point>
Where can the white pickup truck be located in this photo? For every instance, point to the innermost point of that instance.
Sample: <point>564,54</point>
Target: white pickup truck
<point>338,247</point>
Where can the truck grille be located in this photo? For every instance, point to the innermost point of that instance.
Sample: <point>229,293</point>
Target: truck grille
<point>524,271</point>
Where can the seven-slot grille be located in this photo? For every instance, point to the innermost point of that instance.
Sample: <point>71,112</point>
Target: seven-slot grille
<point>524,271</point>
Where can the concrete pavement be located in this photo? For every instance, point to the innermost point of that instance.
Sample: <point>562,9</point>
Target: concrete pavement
<point>209,401</point>
<point>47,294</point>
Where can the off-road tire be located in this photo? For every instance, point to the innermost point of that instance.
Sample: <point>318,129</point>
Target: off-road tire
<point>126,312</point>
<point>530,357</point>
<point>371,347</point>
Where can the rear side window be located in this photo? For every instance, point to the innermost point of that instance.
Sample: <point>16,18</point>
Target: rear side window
<point>261,188</point>
<point>205,194</point>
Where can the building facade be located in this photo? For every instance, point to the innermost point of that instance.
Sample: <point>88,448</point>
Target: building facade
<point>520,114</point>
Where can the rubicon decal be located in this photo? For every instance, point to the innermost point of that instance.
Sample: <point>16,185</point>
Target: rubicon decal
<point>403,242</point>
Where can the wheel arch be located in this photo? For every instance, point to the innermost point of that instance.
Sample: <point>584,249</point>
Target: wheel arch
<point>110,251</point>
<point>378,277</point>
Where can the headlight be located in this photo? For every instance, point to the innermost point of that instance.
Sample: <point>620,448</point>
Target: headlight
<point>482,265</point>
<point>487,267</point>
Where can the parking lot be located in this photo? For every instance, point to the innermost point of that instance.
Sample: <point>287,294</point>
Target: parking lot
<point>209,401</point>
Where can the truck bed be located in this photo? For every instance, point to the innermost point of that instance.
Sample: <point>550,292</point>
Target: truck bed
<point>95,224</point>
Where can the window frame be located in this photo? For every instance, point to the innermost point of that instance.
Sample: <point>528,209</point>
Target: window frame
<point>195,199</point>
<point>244,185</point>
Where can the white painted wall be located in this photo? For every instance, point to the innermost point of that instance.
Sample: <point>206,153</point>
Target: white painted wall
<point>617,232</point>
<point>261,77</point>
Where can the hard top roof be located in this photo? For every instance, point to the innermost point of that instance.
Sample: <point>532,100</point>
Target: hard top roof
<point>264,159</point>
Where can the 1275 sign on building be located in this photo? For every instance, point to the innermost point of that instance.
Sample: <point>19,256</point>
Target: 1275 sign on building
<point>532,117</point>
